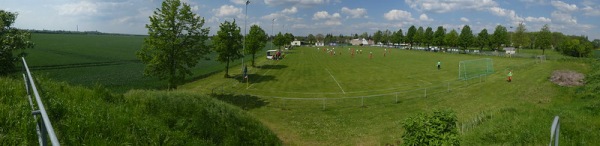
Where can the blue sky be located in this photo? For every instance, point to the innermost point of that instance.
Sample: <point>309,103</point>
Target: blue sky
<point>303,17</point>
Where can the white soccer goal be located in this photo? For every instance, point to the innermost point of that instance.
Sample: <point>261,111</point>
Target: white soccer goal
<point>468,69</point>
<point>540,58</point>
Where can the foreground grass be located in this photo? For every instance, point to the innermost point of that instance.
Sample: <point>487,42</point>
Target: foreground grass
<point>82,116</point>
<point>490,111</point>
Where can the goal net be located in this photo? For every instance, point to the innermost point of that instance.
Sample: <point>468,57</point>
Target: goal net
<point>468,69</point>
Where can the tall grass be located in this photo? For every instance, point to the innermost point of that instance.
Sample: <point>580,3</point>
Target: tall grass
<point>83,116</point>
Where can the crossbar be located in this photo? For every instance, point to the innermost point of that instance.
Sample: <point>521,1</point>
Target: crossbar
<point>46,125</point>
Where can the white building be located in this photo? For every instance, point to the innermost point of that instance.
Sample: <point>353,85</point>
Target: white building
<point>319,44</point>
<point>296,43</point>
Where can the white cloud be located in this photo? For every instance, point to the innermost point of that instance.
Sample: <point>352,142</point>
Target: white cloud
<point>283,15</point>
<point>424,17</point>
<point>442,6</point>
<point>463,19</point>
<point>227,10</point>
<point>355,13</point>
<point>591,11</point>
<point>300,3</point>
<point>538,19</point>
<point>398,15</point>
<point>238,2</point>
<point>292,10</point>
<point>81,8</point>
<point>562,6</point>
<point>564,18</point>
<point>330,20</point>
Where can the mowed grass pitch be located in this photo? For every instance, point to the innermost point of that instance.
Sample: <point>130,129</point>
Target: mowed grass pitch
<point>299,99</point>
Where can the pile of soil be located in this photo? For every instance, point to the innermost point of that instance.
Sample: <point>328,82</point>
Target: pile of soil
<point>567,78</point>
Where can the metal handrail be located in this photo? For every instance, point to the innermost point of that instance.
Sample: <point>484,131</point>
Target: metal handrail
<point>554,131</point>
<point>44,126</point>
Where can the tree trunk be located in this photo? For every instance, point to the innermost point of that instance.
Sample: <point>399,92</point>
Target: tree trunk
<point>227,69</point>
<point>253,54</point>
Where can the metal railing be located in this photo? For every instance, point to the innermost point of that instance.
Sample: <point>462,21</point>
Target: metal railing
<point>44,128</point>
<point>554,131</point>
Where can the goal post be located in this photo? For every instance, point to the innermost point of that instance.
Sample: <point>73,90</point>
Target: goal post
<point>468,69</point>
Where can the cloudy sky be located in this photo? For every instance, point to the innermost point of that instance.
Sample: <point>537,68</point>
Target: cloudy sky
<point>303,17</point>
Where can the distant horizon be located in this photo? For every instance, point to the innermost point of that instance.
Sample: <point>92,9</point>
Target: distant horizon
<point>303,17</point>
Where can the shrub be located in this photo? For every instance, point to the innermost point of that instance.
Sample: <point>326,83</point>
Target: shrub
<point>436,129</point>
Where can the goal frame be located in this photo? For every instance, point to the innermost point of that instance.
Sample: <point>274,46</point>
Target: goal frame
<point>463,73</point>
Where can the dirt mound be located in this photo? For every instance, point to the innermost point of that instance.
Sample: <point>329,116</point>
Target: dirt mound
<point>567,78</point>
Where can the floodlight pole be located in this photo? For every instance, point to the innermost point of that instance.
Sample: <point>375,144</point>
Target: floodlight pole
<point>272,24</point>
<point>244,45</point>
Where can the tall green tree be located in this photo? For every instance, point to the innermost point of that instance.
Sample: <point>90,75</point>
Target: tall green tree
<point>175,43</point>
<point>410,35</point>
<point>378,36</point>
<point>428,36</point>
<point>466,38</point>
<point>364,35</point>
<point>11,40</point>
<point>419,36</point>
<point>483,39</point>
<point>398,37</point>
<point>500,37</point>
<point>320,38</point>
<point>279,40</point>
<point>288,39</point>
<point>451,39</point>
<point>520,37</point>
<point>228,44</point>
<point>438,36</point>
<point>311,38</point>
<point>544,38</point>
<point>255,41</point>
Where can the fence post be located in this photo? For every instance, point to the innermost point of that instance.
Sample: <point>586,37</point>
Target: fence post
<point>323,103</point>
<point>554,131</point>
<point>362,102</point>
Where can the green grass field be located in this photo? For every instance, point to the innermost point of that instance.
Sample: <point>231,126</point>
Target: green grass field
<point>107,60</point>
<point>312,98</point>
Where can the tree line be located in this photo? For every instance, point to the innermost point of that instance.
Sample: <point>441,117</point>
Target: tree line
<point>464,38</point>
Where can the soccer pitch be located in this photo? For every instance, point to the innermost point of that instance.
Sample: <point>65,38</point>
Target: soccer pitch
<point>315,72</point>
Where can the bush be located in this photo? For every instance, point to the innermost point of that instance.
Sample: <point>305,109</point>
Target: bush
<point>82,116</point>
<point>437,129</point>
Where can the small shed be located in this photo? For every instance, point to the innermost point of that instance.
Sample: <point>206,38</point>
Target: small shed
<point>509,50</point>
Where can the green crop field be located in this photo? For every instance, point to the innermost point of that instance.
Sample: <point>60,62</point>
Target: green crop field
<point>107,60</point>
<point>314,98</point>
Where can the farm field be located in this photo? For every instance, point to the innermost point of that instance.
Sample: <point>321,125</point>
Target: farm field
<point>106,60</point>
<point>314,98</point>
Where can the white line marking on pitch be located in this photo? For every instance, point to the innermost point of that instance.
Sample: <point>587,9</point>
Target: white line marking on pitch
<point>263,74</point>
<point>338,83</point>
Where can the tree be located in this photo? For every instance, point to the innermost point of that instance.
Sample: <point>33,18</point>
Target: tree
<point>451,39</point>
<point>410,35</point>
<point>419,36</point>
<point>320,38</point>
<point>466,37</point>
<point>255,41</point>
<point>483,39</point>
<point>175,42</point>
<point>279,40</point>
<point>428,36</point>
<point>500,37</point>
<point>544,38</point>
<point>596,43</point>
<point>520,37</point>
<point>577,47</point>
<point>364,35</point>
<point>228,44</point>
<point>438,36</point>
<point>11,40</point>
<point>378,36</point>
<point>311,38</point>
<point>289,38</point>
<point>398,37</point>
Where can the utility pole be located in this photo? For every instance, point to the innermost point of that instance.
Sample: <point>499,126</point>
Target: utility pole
<point>273,35</point>
<point>244,45</point>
